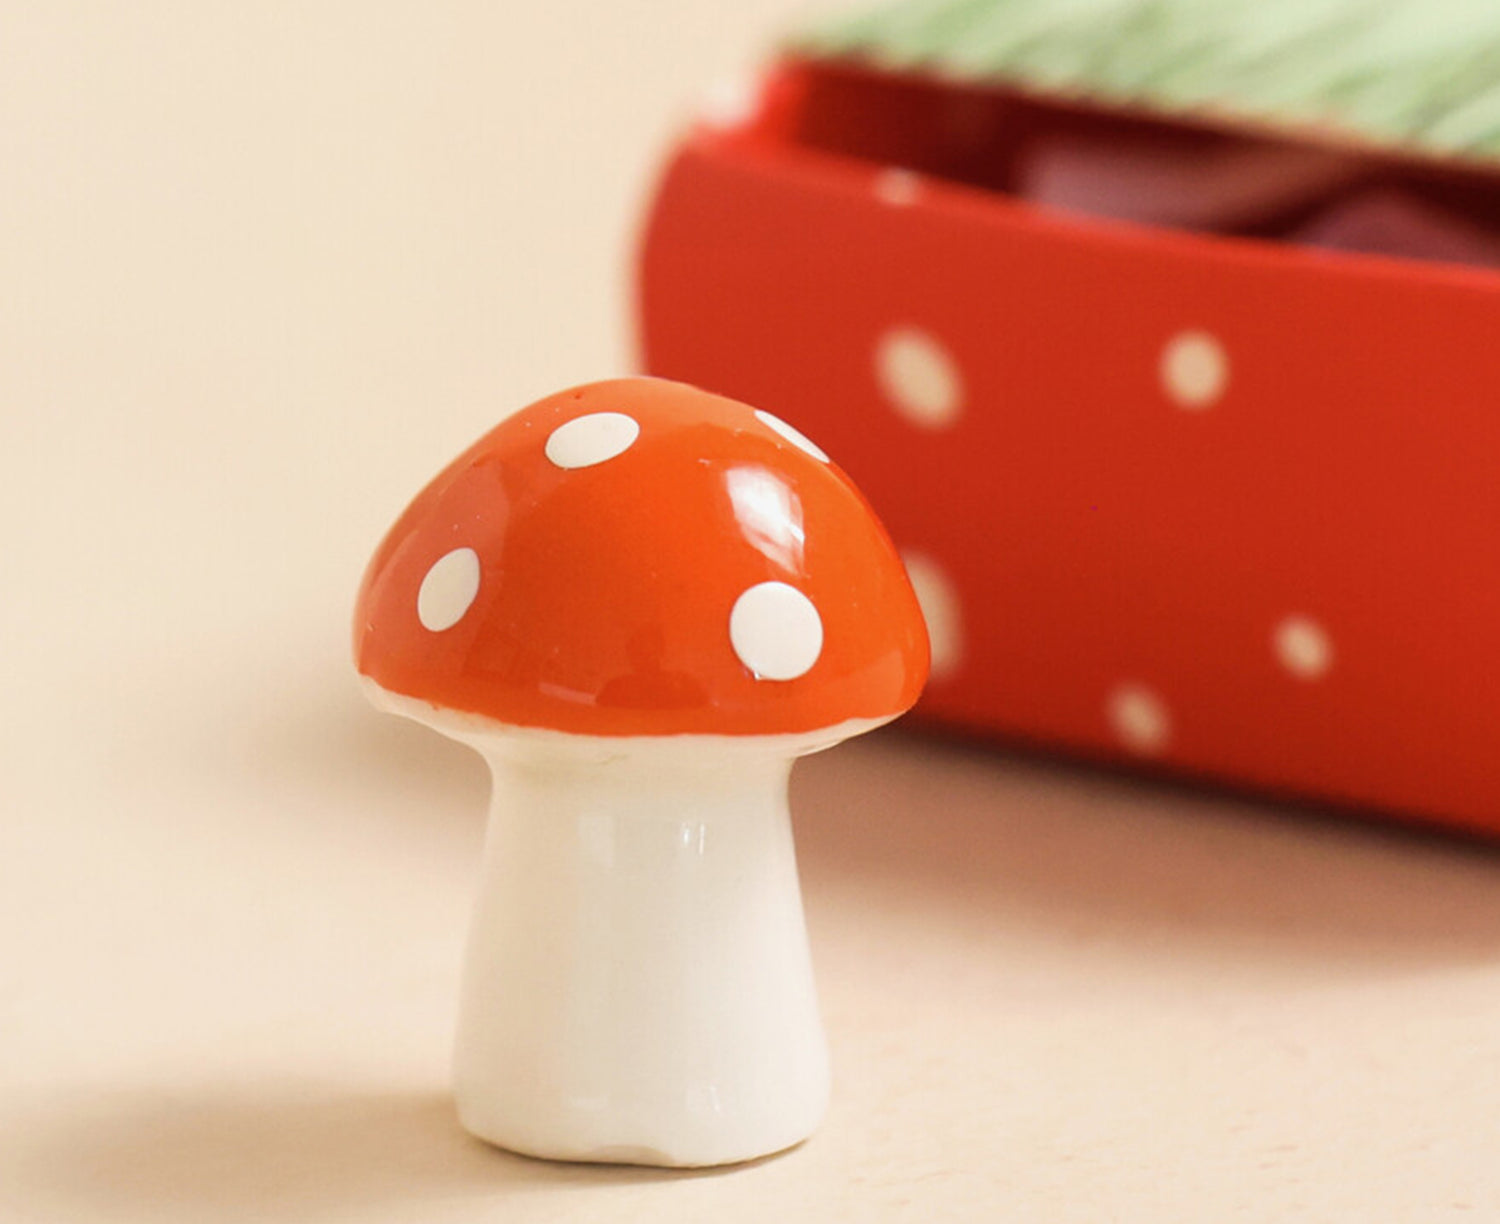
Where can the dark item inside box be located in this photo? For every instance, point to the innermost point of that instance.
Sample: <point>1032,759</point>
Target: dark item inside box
<point>1198,173</point>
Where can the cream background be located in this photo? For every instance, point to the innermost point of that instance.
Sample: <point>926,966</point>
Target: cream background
<point>263,268</point>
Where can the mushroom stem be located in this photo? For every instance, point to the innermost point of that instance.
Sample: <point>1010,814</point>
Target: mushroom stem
<point>638,987</point>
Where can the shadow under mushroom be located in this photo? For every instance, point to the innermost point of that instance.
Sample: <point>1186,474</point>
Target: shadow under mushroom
<point>270,1153</point>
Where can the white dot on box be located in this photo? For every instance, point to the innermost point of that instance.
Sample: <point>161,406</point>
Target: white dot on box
<point>919,377</point>
<point>776,631</point>
<point>448,590</point>
<point>1303,647</point>
<point>1140,719</point>
<point>899,186</point>
<point>587,440</point>
<point>792,434</point>
<point>938,598</point>
<point>731,101</point>
<point>1194,369</point>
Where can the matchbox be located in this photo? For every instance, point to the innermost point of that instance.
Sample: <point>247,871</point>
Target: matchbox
<point>1221,504</point>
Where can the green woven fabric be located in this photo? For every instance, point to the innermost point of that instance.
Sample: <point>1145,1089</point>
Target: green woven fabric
<point>1415,74</point>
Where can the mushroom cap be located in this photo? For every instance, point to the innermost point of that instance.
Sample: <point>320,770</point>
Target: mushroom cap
<point>639,557</point>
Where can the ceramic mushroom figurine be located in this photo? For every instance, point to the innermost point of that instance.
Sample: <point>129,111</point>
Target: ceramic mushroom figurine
<point>641,603</point>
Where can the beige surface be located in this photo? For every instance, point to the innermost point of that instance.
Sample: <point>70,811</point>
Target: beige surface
<point>264,268</point>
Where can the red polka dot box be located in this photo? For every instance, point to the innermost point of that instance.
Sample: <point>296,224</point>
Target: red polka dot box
<point>1189,432</point>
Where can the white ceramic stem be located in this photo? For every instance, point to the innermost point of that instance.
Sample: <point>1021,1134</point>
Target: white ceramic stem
<point>637,985</point>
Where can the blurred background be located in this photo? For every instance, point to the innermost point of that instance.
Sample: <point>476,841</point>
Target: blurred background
<point>266,266</point>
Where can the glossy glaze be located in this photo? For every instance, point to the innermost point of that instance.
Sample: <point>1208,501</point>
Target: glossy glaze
<point>606,586</point>
<point>641,603</point>
<point>637,985</point>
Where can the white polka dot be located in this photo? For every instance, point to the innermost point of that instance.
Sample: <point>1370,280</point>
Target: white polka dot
<point>1303,647</point>
<point>731,101</point>
<point>940,609</point>
<point>448,590</point>
<point>899,186</point>
<point>1194,369</point>
<point>918,377</point>
<point>776,631</point>
<point>587,440</point>
<point>795,436</point>
<point>1140,719</point>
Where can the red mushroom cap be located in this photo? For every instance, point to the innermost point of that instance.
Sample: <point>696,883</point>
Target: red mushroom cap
<point>639,557</point>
